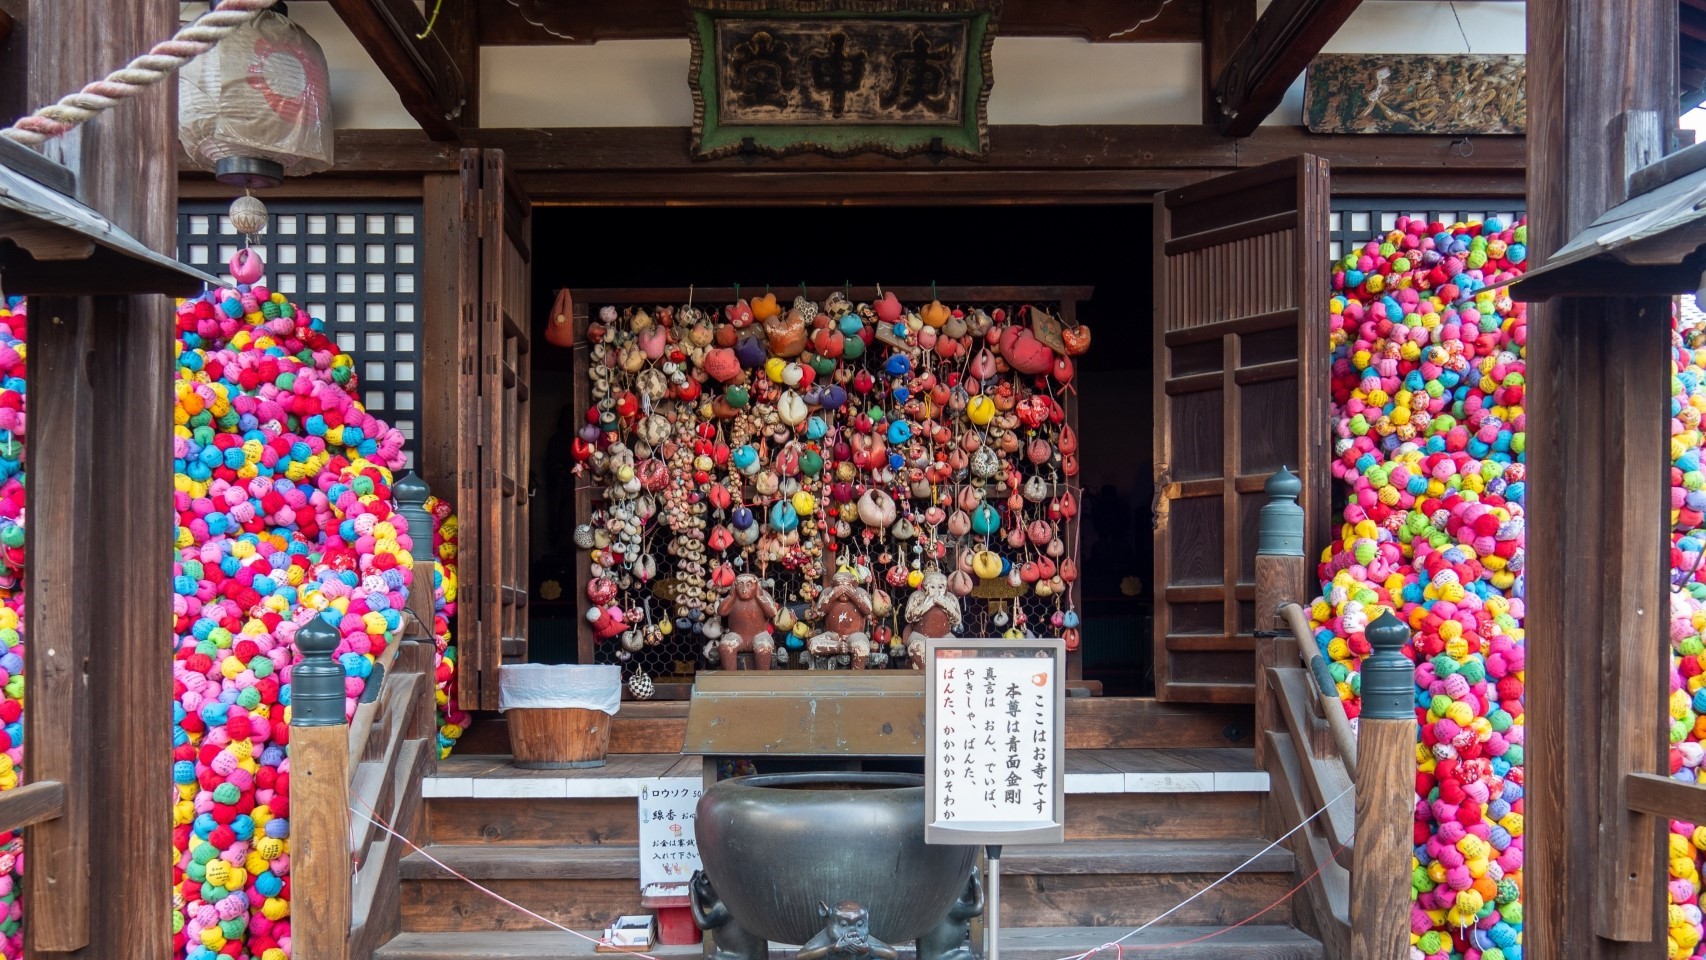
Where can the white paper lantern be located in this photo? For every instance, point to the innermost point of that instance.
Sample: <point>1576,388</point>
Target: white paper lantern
<point>257,107</point>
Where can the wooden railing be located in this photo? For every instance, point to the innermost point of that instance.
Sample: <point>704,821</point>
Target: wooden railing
<point>348,778</point>
<point>1357,901</point>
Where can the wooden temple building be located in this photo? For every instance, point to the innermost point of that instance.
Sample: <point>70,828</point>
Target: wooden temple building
<point>1147,171</point>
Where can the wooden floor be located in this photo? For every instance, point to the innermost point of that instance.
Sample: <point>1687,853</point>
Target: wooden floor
<point>1251,942</point>
<point>1209,770</point>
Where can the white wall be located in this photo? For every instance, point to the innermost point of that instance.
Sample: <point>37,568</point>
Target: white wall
<point>1038,80</point>
<point>361,96</point>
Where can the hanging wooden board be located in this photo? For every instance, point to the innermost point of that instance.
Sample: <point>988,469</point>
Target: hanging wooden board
<point>1416,93</point>
<point>841,76</point>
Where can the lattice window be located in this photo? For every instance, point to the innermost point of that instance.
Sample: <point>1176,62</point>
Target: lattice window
<point>1357,219</point>
<point>356,265</point>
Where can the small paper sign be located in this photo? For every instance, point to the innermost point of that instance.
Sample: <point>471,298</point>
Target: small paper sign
<point>669,849</point>
<point>994,760</point>
<point>1047,329</point>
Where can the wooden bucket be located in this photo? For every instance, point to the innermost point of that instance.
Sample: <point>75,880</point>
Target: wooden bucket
<point>558,738</point>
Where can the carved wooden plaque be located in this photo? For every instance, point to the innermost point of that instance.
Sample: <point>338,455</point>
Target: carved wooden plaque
<point>1416,93</point>
<point>840,76</point>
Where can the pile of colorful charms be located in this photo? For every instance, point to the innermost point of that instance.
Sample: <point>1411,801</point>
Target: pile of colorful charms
<point>1427,396</point>
<point>281,492</point>
<point>12,431</point>
<point>284,513</point>
<point>451,720</point>
<point>1688,621</point>
<point>840,453</point>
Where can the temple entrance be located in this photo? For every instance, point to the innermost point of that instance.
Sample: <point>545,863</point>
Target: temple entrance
<point>976,246</point>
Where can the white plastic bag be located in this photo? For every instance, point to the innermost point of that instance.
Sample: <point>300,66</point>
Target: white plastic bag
<point>558,686</point>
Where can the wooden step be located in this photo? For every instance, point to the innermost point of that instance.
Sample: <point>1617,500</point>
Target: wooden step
<point>615,820</point>
<point>1250,942</point>
<point>449,905</point>
<point>517,862</point>
<point>1162,816</point>
<point>1097,883</point>
<point>1092,723</point>
<point>1215,856</point>
<point>1111,794</point>
<point>583,821</point>
<point>1079,883</point>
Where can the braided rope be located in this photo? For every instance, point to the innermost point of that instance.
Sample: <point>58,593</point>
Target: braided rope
<point>191,41</point>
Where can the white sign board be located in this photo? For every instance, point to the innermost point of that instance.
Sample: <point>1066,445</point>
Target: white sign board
<point>669,850</point>
<point>994,761</point>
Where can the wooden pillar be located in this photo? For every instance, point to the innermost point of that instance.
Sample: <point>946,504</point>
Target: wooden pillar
<point>56,725</point>
<point>100,595</point>
<point>1282,577</point>
<point>437,444</point>
<point>1385,797</point>
<point>319,800</point>
<point>1597,405</point>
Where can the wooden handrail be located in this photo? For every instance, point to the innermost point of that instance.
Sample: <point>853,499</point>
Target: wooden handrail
<point>31,803</point>
<point>1326,692</point>
<point>365,712</point>
<point>1664,797</point>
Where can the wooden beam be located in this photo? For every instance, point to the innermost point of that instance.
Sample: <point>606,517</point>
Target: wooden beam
<point>1225,24</point>
<point>1663,797</point>
<point>664,150</point>
<point>434,88</point>
<point>1286,37</point>
<point>459,23</point>
<point>526,22</point>
<point>31,803</point>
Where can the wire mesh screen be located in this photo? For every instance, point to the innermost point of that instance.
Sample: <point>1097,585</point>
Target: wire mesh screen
<point>667,549</point>
<point>354,264</point>
<point>1357,220</point>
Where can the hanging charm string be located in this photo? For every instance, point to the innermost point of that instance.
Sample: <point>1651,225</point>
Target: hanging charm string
<point>131,80</point>
<point>431,21</point>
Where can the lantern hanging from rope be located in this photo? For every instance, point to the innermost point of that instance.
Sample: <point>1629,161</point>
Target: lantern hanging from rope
<point>257,107</point>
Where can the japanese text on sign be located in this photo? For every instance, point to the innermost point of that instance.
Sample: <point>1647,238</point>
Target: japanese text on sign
<point>994,738</point>
<point>669,850</point>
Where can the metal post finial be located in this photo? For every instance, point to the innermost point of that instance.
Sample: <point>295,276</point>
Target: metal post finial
<point>317,681</point>
<point>411,493</point>
<point>1388,677</point>
<point>1280,529</point>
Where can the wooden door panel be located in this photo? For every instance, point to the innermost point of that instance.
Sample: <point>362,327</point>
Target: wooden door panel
<point>472,665</point>
<point>1240,365</point>
<point>493,494</point>
<point>505,237</point>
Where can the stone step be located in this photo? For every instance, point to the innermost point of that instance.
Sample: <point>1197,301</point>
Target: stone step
<point>1193,770</point>
<point>1249,942</point>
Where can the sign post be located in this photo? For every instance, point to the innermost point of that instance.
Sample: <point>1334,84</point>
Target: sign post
<point>994,770</point>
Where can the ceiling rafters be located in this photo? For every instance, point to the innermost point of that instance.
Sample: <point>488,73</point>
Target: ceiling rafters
<point>435,89</point>
<point>1287,35</point>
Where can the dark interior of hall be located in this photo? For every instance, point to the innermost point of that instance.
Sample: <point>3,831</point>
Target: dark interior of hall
<point>1104,247</point>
